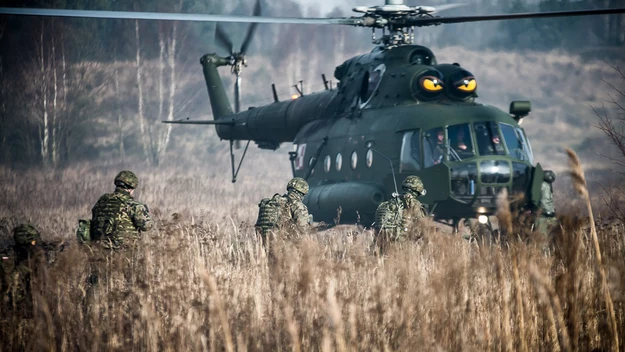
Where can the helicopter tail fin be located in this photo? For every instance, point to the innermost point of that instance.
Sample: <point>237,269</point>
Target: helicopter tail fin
<point>216,92</point>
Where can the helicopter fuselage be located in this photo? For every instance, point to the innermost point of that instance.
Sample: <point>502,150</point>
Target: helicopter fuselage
<point>422,119</point>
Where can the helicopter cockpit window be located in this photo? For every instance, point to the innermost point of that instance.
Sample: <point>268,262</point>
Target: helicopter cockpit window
<point>514,142</point>
<point>460,141</point>
<point>410,158</point>
<point>527,147</point>
<point>433,146</point>
<point>370,83</point>
<point>489,140</point>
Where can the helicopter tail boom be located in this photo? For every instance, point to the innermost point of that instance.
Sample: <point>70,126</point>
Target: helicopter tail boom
<point>216,92</point>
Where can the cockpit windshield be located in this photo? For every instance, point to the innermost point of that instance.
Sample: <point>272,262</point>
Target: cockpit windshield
<point>456,143</point>
<point>516,143</point>
<point>460,140</point>
<point>433,146</point>
<point>489,139</point>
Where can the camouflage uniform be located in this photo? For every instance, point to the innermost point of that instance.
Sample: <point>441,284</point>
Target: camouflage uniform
<point>285,211</point>
<point>547,218</point>
<point>394,218</point>
<point>21,264</point>
<point>117,217</point>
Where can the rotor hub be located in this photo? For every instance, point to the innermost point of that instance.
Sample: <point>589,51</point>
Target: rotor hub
<point>393,17</point>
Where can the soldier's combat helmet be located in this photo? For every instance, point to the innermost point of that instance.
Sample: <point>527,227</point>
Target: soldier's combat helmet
<point>298,184</point>
<point>413,183</point>
<point>550,176</point>
<point>126,179</point>
<point>25,235</point>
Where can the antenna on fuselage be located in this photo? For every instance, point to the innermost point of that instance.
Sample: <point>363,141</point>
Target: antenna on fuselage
<point>369,144</point>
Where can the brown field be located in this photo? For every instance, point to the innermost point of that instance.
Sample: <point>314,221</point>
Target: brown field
<point>203,282</point>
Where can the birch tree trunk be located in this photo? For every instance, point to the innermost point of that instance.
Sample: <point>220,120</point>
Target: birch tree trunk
<point>61,123</point>
<point>142,129</point>
<point>171,55</point>
<point>44,139</point>
<point>120,118</point>
<point>55,150</point>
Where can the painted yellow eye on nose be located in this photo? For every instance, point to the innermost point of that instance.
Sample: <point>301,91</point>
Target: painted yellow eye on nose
<point>467,85</point>
<point>432,84</point>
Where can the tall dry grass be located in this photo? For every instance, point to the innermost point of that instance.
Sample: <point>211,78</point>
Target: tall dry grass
<point>201,280</point>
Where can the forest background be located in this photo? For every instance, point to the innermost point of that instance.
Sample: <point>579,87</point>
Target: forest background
<point>88,90</point>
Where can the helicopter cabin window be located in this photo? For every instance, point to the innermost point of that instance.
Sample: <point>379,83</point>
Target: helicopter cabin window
<point>327,163</point>
<point>339,162</point>
<point>354,160</point>
<point>410,158</point>
<point>433,146</point>
<point>311,164</point>
<point>514,142</point>
<point>370,83</point>
<point>489,139</point>
<point>369,158</point>
<point>460,142</point>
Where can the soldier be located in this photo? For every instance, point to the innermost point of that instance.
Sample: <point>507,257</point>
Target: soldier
<point>394,217</point>
<point>284,211</point>
<point>117,218</point>
<point>20,264</point>
<point>547,217</point>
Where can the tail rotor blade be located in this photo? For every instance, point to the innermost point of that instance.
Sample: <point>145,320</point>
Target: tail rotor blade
<point>222,40</point>
<point>251,29</point>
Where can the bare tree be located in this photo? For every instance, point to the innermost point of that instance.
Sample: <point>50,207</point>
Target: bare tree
<point>43,127</point>
<point>120,116</point>
<point>611,121</point>
<point>140,116</point>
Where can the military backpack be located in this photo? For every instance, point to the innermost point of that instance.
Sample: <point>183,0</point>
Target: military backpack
<point>389,214</point>
<point>270,210</point>
<point>105,221</point>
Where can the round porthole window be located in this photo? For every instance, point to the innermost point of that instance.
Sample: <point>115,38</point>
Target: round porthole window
<point>339,162</point>
<point>327,163</point>
<point>369,158</point>
<point>354,160</point>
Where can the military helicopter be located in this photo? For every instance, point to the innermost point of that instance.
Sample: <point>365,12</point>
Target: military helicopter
<point>395,112</point>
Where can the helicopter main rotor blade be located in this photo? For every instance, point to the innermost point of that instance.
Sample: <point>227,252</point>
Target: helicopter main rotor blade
<point>200,122</point>
<point>251,29</point>
<point>419,22</point>
<point>165,16</point>
<point>221,38</point>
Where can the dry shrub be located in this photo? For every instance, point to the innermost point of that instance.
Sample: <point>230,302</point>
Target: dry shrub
<point>202,281</point>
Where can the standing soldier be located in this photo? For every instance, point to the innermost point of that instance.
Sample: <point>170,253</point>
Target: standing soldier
<point>393,218</point>
<point>284,211</point>
<point>547,218</point>
<point>117,218</point>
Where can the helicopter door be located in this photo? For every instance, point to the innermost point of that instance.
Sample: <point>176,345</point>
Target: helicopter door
<point>410,157</point>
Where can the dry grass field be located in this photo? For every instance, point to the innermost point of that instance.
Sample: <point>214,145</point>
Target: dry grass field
<point>201,280</point>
